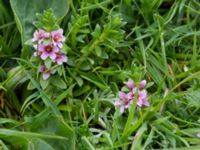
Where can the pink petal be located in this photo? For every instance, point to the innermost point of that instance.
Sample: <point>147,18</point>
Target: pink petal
<point>34,39</point>
<point>143,94</point>
<point>61,59</point>
<point>60,31</point>
<point>121,109</point>
<point>130,84</point>
<point>47,35</point>
<point>45,75</point>
<point>64,58</point>
<point>60,45</point>
<point>41,47</point>
<point>139,102</point>
<point>44,55</point>
<point>127,105</point>
<point>54,43</point>
<point>55,49</point>
<point>142,84</point>
<point>42,68</point>
<point>40,31</point>
<point>53,33</point>
<point>118,102</point>
<point>122,95</point>
<point>146,102</point>
<point>63,39</point>
<point>129,96</point>
<point>52,56</point>
<point>35,36</point>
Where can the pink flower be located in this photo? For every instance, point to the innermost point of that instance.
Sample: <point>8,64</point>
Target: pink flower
<point>58,38</point>
<point>130,84</point>
<point>45,72</point>
<point>60,58</point>
<point>142,99</point>
<point>39,35</point>
<point>48,51</point>
<point>124,101</point>
<point>142,84</point>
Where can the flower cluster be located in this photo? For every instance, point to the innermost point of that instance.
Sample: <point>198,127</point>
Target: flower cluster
<point>49,45</point>
<point>125,99</point>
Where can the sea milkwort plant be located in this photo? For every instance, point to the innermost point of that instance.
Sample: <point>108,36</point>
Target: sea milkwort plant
<point>135,92</point>
<point>49,50</point>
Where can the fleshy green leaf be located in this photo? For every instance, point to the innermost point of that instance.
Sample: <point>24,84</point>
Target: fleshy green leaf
<point>25,13</point>
<point>58,82</point>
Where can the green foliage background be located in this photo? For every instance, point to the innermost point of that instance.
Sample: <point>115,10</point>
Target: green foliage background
<point>107,42</point>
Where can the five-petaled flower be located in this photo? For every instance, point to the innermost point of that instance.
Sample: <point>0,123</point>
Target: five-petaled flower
<point>142,99</point>
<point>45,72</point>
<point>48,51</point>
<point>60,58</point>
<point>39,35</point>
<point>48,46</point>
<point>125,100</point>
<point>58,38</point>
